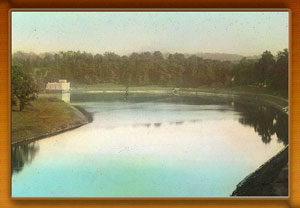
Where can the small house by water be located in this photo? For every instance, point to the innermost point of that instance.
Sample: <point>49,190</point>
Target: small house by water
<point>62,85</point>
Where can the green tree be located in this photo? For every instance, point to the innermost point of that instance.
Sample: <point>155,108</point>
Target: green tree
<point>264,68</point>
<point>24,87</point>
<point>280,73</point>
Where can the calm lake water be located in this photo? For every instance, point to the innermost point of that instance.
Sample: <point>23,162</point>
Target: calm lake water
<point>151,145</point>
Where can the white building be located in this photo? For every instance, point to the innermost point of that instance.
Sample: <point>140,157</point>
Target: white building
<point>61,85</point>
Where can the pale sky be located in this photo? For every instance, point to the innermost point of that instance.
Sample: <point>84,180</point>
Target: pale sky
<point>244,33</point>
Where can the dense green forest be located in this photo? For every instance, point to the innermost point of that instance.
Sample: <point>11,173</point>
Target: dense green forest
<point>141,69</point>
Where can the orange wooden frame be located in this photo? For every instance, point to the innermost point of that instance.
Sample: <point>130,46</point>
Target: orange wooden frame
<point>293,5</point>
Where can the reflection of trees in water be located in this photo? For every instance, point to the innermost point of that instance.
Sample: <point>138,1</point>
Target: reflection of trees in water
<point>176,122</point>
<point>157,124</point>
<point>265,121</point>
<point>179,122</point>
<point>22,154</point>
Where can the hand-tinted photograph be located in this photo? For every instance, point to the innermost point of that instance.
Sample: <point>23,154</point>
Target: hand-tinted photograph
<point>149,103</point>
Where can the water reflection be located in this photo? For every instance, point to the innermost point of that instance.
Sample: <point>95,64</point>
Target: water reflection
<point>157,124</point>
<point>266,121</point>
<point>22,154</point>
<point>179,122</point>
<point>142,125</point>
<point>66,97</point>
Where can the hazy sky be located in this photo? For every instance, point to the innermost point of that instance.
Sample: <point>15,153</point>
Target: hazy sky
<point>245,33</point>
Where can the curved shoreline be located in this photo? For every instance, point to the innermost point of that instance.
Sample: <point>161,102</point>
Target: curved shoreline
<point>80,117</point>
<point>275,101</point>
<point>278,102</point>
<point>270,179</point>
<point>88,115</point>
<point>28,140</point>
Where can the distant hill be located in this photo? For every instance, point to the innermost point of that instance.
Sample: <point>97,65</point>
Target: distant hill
<point>222,56</point>
<point>218,56</point>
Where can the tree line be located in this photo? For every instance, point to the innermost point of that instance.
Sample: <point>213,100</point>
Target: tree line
<point>268,71</point>
<point>141,69</point>
<point>137,69</point>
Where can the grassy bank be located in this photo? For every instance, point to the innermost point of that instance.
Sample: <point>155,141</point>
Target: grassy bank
<point>44,117</point>
<point>271,179</point>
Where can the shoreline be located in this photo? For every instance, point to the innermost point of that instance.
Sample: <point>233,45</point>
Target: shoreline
<point>252,94</point>
<point>72,117</point>
<point>29,140</point>
<point>270,179</point>
<point>88,115</point>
